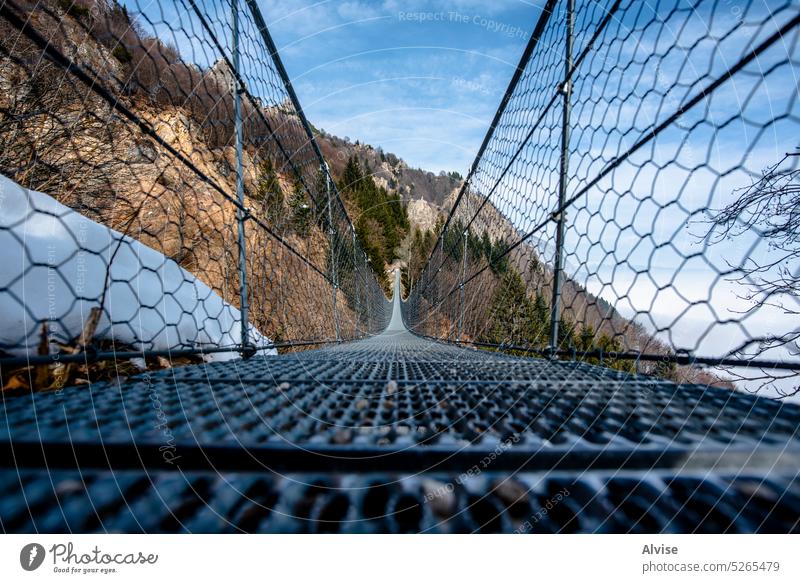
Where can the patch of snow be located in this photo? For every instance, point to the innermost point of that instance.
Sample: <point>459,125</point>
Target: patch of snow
<point>139,363</point>
<point>55,265</point>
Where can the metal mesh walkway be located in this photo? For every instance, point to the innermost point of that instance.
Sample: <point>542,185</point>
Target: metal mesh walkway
<point>397,433</point>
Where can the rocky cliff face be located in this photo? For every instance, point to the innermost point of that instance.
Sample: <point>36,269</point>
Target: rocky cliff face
<point>422,214</point>
<point>430,193</point>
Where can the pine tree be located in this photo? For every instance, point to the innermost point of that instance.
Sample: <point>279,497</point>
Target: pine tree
<point>514,318</point>
<point>268,190</point>
<point>566,334</point>
<point>352,176</point>
<point>666,370</point>
<point>300,209</point>
<point>610,345</point>
<point>382,221</point>
<point>585,340</point>
<point>486,246</point>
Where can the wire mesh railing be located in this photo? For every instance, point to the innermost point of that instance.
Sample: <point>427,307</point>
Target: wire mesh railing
<point>163,194</point>
<point>634,201</point>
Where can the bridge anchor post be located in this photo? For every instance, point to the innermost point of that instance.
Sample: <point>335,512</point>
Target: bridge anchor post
<point>332,243</point>
<point>559,215</point>
<point>461,288</point>
<point>247,349</point>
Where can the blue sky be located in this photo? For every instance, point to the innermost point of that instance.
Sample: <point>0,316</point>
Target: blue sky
<point>420,79</point>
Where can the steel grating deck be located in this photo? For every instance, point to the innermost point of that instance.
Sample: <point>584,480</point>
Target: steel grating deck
<point>351,438</point>
<point>208,502</point>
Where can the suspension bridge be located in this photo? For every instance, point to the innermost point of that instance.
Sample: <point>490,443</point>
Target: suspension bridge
<point>349,412</point>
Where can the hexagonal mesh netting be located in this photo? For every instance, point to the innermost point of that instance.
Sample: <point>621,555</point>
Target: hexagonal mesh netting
<point>635,199</point>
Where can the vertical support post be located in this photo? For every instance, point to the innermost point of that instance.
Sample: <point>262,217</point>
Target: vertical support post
<point>241,215</point>
<point>560,215</point>
<point>374,294</point>
<point>356,271</point>
<point>409,263</point>
<point>410,273</point>
<point>461,288</point>
<point>437,285</point>
<point>332,244</point>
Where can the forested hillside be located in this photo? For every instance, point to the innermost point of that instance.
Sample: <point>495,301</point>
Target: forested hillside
<point>380,217</point>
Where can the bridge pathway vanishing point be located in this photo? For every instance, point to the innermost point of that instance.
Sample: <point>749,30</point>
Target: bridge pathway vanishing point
<point>397,433</point>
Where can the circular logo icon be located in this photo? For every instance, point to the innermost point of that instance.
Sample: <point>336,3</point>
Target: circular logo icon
<point>31,556</point>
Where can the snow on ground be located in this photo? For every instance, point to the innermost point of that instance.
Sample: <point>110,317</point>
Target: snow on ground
<point>54,267</point>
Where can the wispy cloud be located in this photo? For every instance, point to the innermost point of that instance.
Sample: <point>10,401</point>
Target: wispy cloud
<point>424,86</point>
